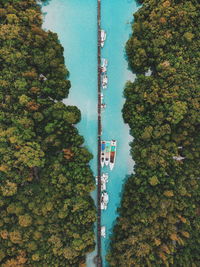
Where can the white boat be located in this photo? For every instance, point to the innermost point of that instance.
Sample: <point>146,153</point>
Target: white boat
<point>104,62</point>
<point>103,37</point>
<point>103,106</point>
<point>104,180</point>
<point>113,148</point>
<point>103,231</point>
<point>104,81</point>
<point>104,200</point>
<point>103,69</point>
<point>103,206</point>
<point>104,65</point>
<point>103,146</point>
<point>107,153</point>
<point>105,197</point>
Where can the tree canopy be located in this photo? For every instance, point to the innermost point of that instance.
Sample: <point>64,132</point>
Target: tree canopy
<point>159,222</point>
<point>46,211</point>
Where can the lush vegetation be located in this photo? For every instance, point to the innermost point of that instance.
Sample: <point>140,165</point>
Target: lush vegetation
<point>159,221</point>
<point>46,212</point>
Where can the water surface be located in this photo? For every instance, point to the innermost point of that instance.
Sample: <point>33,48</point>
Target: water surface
<point>116,20</point>
<point>75,23</point>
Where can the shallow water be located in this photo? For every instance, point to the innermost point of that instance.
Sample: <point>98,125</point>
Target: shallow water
<point>75,23</point>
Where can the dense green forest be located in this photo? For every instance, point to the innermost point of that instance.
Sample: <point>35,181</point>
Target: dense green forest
<point>159,217</point>
<point>46,212</point>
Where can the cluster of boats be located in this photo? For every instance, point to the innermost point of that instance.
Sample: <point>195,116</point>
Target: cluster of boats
<point>104,199</point>
<point>108,153</point>
<point>108,148</point>
<point>104,63</point>
<point>104,77</point>
<point>104,80</point>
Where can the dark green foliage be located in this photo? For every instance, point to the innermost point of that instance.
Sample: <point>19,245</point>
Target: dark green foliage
<point>159,218</point>
<point>46,212</point>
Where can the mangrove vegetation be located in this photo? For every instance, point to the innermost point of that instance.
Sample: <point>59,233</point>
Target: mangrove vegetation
<point>46,212</point>
<point>159,217</point>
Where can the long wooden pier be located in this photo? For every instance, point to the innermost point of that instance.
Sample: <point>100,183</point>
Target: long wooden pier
<point>99,258</point>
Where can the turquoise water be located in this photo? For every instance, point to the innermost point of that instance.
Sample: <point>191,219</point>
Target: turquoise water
<point>75,23</point>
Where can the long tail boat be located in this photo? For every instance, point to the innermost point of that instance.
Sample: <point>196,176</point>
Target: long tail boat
<point>113,154</point>
<point>103,147</point>
<point>107,153</point>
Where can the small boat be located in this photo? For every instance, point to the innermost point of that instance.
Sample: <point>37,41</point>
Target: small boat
<point>103,69</point>
<point>107,153</point>
<point>104,62</point>
<point>103,146</point>
<point>103,231</point>
<point>104,81</point>
<point>104,65</point>
<point>103,206</point>
<point>112,153</point>
<point>104,200</point>
<point>104,180</point>
<point>103,37</point>
<point>103,106</point>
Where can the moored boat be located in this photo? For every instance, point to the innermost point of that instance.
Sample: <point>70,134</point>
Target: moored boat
<point>104,65</point>
<point>112,154</point>
<point>103,146</point>
<point>107,153</point>
<point>104,200</point>
<point>103,69</point>
<point>104,180</point>
<point>103,231</point>
<point>103,37</point>
<point>102,205</point>
<point>104,62</point>
<point>104,81</point>
<point>103,106</point>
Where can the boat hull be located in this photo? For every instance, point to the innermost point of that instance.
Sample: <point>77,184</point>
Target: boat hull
<point>103,146</point>
<point>111,166</point>
<point>106,162</point>
<point>113,154</point>
<point>107,153</point>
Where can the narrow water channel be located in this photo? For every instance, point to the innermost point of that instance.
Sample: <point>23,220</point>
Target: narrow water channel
<point>75,23</point>
<point>116,19</point>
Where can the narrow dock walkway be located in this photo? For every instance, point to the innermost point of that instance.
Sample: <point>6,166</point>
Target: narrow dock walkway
<point>99,258</point>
